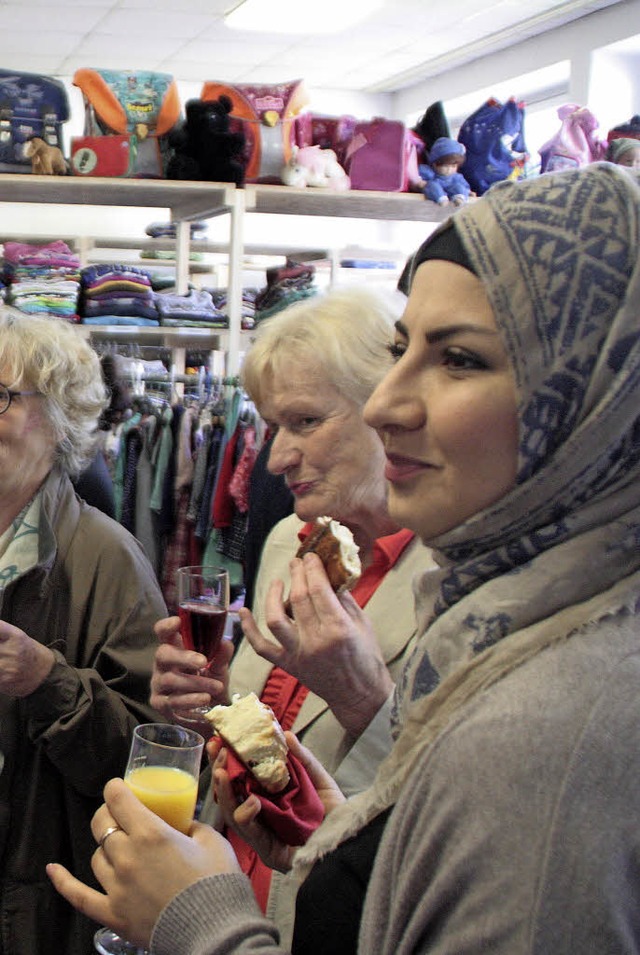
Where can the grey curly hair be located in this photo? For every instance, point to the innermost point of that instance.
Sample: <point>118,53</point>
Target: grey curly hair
<point>50,356</point>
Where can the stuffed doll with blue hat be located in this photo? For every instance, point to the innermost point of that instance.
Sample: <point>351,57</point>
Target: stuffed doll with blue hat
<point>440,180</point>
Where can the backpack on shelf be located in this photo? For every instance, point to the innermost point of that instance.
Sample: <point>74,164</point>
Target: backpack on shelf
<point>575,144</point>
<point>266,115</point>
<point>128,115</point>
<point>30,105</point>
<point>493,136</point>
<point>432,125</point>
<point>327,132</point>
<point>381,156</point>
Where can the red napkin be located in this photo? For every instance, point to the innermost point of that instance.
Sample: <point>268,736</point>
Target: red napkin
<point>292,814</point>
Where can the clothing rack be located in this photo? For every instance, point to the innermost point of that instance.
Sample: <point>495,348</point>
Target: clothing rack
<point>233,381</point>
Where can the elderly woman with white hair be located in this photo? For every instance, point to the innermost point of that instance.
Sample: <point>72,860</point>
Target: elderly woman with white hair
<point>78,603</point>
<point>310,371</point>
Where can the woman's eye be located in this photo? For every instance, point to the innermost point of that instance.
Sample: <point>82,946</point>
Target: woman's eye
<point>458,359</point>
<point>396,350</point>
<point>304,423</point>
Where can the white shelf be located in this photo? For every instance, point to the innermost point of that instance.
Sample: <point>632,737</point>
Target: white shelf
<point>172,336</point>
<point>353,204</point>
<point>188,201</point>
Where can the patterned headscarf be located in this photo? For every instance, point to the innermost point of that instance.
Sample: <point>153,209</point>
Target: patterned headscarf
<point>559,258</point>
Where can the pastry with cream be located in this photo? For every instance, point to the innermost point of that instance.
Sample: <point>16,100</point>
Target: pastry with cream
<point>336,548</point>
<point>251,730</point>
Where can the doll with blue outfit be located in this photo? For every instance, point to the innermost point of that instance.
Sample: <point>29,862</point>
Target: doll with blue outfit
<point>440,180</point>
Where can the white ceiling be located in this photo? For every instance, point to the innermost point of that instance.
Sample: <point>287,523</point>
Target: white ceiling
<point>404,42</point>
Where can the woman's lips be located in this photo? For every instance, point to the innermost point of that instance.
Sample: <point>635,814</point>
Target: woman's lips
<point>399,469</point>
<point>300,487</point>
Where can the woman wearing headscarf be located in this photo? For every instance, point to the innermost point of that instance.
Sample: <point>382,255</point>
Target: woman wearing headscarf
<point>506,818</point>
<point>78,601</point>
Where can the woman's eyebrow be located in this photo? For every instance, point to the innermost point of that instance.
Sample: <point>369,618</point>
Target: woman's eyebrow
<point>446,331</point>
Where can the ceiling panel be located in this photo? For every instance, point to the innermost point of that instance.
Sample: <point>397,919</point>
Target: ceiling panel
<point>395,46</point>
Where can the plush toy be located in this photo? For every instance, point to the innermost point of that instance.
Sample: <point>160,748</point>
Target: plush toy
<point>203,146</point>
<point>46,160</point>
<point>440,179</point>
<point>317,167</point>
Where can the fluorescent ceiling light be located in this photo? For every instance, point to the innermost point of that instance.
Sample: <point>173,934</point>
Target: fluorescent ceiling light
<point>299,16</point>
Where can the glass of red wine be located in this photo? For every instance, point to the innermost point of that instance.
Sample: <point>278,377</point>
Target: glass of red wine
<point>203,604</point>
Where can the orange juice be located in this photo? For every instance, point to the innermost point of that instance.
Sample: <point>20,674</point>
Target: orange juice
<point>170,793</point>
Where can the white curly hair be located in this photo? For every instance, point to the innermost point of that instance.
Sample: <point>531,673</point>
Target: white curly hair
<point>48,355</point>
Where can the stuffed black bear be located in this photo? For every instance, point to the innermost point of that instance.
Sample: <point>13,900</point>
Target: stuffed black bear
<point>204,148</point>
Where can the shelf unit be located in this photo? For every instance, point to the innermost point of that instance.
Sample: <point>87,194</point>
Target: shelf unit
<point>189,201</point>
<point>352,204</point>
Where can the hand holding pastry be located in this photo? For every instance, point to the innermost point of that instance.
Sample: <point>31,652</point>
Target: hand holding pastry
<point>246,816</point>
<point>330,646</point>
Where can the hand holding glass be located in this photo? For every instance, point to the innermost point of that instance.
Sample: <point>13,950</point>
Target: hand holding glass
<point>163,771</point>
<point>203,604</point>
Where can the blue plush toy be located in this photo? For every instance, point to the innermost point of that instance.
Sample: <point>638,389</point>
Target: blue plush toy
<point>440,180</point>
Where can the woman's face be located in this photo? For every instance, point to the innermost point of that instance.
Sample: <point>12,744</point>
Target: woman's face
<point>27,445</point>
<point>446,412</point>
<point>331,460</point>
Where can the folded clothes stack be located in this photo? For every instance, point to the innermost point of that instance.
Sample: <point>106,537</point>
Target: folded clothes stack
<point>194,308</point>
<point>117,295</point>
<point>167,230</point>
<point>220,298</point>
<point>285,285</point>
<point>42,279</point>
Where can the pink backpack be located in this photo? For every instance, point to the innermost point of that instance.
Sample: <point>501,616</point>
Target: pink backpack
<point>381,156</point>
<point>575,144</point>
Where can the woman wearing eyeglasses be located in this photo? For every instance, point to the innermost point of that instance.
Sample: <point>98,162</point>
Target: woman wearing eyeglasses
<point>78,603</point>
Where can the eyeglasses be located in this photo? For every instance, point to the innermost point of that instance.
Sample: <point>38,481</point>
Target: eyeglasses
<point>6,397</point>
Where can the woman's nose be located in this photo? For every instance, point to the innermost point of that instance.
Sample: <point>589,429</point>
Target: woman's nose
<point>395,404</point>
<point>283,454</point>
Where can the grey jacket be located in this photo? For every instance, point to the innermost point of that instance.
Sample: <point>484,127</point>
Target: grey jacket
<point>93,599</point>
<point>518,834</point>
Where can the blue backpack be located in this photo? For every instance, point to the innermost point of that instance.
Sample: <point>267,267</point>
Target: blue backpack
<point>493,137</point>
<point>30,105</point>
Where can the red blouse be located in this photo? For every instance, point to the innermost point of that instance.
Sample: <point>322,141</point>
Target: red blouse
<point>285,694</point>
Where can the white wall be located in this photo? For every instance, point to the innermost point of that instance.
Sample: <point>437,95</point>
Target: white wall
<point>574,41</point>
<point>585,56</point>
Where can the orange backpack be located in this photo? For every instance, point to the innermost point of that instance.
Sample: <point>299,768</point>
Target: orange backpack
<point>267,115</point>
<point>139,106</point>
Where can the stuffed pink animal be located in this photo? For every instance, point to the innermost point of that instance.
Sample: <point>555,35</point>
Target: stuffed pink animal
<point>316,167</point>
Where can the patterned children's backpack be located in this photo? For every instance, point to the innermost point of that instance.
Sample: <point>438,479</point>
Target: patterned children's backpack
<point>494,139</point>
<point>30,105</point>
<point>266,116</point>
<point>138,106</point>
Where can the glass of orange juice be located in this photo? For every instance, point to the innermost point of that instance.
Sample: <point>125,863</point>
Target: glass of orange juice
<point>163,771</point>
